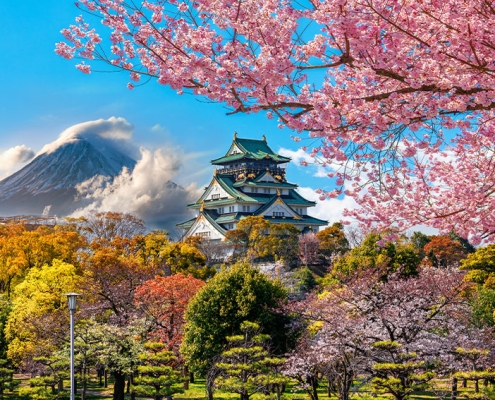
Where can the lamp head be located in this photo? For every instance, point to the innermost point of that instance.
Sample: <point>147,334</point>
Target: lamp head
<point>72,298</point>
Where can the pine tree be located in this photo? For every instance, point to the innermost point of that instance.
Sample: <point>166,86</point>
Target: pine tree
<point>246,367</point>
<point>158,376</point>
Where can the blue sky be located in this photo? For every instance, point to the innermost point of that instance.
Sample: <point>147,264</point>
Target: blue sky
<point>43,95</point>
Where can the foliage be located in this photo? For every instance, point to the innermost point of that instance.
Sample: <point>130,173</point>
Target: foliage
<point>385,328</point>
<point>234,295</point>
<point>401,377</point>
<point>112,272</point>
<point>249,239</point>
<point>333,242</point>
<point>309,248</point>
<point>246,367</point>
<point>37,324</point>
<point>164,301</point>
<point>108,225</point>
<point>375,253</point>
<point>442,251</point>
<point>22,249</point>
<point>158,376</point>
<point>306,280</point>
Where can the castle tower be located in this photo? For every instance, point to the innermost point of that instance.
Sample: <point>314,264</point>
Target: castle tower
<point>249,180</point>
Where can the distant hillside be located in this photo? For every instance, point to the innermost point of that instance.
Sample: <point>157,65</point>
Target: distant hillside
<point>48,182</point>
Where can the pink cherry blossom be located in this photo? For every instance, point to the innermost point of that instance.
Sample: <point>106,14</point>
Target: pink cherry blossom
<point>385,83</point>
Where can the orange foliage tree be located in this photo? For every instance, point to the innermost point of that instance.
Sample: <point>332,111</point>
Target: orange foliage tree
<point>164,301</point>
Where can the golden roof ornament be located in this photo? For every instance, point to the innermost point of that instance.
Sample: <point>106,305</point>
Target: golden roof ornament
<point>235,135</point>
<point>264,138</point>
<point>278,192</point>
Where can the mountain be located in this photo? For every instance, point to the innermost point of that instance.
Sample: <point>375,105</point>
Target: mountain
<point>48,182</point>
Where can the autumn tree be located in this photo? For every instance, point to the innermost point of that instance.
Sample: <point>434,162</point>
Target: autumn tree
<point>22,249</point>
<point>442,251</point>
<point>38,322</point>
<point>108,225</point>
<point>249,239</point>
<point>112,272</point>
<point>333,242</point>
<point>218,309</point>
<point>163,300</point>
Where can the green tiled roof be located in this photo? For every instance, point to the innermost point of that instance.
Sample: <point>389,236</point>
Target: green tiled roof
<point>251,149</point>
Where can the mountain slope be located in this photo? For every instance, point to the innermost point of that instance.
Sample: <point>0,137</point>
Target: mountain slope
<point>50,179</point>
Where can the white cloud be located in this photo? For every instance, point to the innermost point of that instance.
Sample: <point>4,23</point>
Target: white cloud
<point>331,210</point>
<point>12,157</point>
<point>148,192</point>
<point>114,128</point>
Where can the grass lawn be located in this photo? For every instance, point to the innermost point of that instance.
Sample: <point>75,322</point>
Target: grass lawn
<point>360,391</point>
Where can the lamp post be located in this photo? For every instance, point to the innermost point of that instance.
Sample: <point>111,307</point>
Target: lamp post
<point>72,298</point>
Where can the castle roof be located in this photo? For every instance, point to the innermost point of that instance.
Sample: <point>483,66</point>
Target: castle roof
<point>249,150</point>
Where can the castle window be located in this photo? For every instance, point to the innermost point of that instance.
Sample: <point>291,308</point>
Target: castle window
<point>231,209</point>
<point>266,190</point>
<point>221,210</point>
<point>203,234</point>
<point>215,196</point>
<point>246,208</point>
<point>254,190</point>
<point>278,213</point>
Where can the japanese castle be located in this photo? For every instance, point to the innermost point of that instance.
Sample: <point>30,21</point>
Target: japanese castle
<point>249,180</point>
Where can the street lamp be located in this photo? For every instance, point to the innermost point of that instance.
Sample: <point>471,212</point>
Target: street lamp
<point>72,298</point>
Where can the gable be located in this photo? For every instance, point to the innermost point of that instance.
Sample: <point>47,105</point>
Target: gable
<point>279,209</point>
<point>215,192</point>
<point>203,227</point>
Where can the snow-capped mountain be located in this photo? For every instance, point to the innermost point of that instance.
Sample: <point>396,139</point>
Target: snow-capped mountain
<point>49,181</point>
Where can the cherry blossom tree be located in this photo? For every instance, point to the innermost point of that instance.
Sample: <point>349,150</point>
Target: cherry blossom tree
<point>382,329</point>
<point>396,97</point>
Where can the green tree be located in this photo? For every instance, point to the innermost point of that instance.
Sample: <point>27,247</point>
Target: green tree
<point>402,377</point>
<point>158,376</point>
<point>217,311</point>
<point>379,254</point>
<point>283,243</point>
<point>6,376</point>
<point>246,366</point>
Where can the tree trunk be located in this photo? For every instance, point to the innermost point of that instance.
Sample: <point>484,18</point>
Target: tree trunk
<point>119,386</point>
<point>454,388</point>
<point>476,386</point>
<point>464,382</point>
<point>186,374</point>
<point>105,374</point>
<point>191,377</point>
<point>60,385</point>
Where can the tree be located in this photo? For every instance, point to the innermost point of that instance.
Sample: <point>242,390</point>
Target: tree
<point>112,272</point>
<point>375,253</point>
<point>250,238</point>
<point>442,251</point>
<point>37,324</point>
<point>246,366</point>
<point>158,376</point>
<point>164,301</point>
<point>394,78</point>
<point>217,311</point>
<point>333,242</point>
<point>308,248</point>
<point>394,330</point>
<point>108,225</point>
